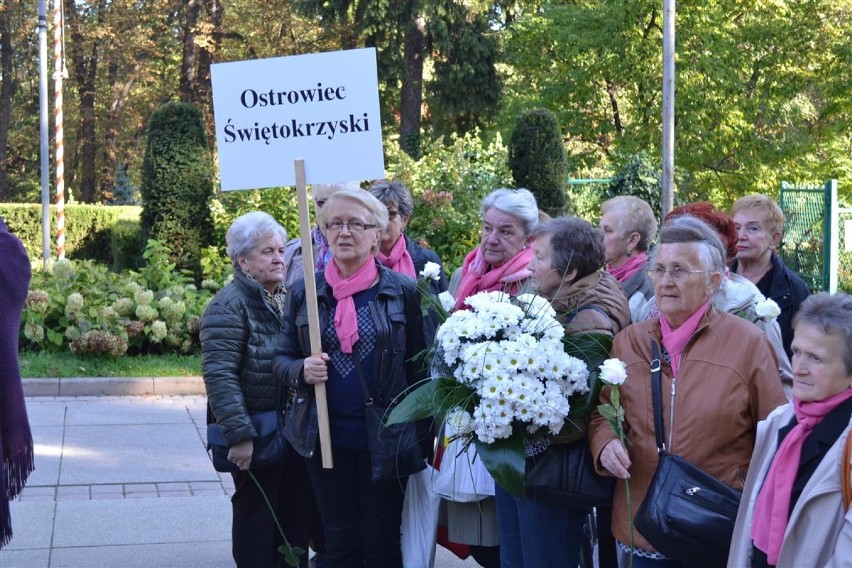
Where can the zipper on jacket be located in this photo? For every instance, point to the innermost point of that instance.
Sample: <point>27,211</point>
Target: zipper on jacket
<point>672,412</point>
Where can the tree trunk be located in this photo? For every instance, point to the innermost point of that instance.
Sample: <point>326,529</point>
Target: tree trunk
<point>7,89</point>
<point>189,63</point>
<point>206,56</point>
<point>412,87</point>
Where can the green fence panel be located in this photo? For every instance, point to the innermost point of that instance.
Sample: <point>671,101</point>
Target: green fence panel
<point>807,231</point>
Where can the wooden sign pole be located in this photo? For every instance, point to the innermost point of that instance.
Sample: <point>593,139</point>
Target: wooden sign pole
<point>313,310</point>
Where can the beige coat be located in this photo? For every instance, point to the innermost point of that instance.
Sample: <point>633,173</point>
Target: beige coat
<point>819,532</point>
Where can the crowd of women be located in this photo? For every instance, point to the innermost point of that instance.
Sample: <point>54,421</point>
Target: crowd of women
<point>761,403</point>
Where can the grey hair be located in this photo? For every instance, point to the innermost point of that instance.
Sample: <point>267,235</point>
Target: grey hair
<point>393,193</point>
<point>574,243</point>
<point>363,198</point>
<point>336,186</point>
<point>832,314</point>
<point>519,203</point>
<point>633,215</point>
<point>689,229</point>
<point>246,230</point>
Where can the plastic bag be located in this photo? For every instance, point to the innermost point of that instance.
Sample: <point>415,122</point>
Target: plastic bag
<point>419,520</point>
<point>462,477</point>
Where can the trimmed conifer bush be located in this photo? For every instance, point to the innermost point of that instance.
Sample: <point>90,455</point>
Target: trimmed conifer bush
<point>177,184</point>
<point>537,159</point>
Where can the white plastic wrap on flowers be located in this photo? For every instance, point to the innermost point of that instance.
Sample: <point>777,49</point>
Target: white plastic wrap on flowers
<point>510,352</point>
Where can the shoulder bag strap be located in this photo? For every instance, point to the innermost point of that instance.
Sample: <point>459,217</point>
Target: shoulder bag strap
<point>368,398</point>
<point>846,472</point>
<point>657,396</point>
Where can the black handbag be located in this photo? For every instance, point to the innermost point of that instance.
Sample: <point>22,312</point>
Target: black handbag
<point>395,449</point>
<point>564,475</point>
<point>269,444</point>
<point>687,514</point>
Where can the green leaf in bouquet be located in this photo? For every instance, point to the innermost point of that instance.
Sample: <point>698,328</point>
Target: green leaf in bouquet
<point>593,349</point>
<point>504,459</point>
<point>419,403</point>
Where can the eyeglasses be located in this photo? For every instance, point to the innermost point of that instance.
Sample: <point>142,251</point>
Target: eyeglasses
<point>392,214</point>
<point>352,226</point>
<point>678,274</point>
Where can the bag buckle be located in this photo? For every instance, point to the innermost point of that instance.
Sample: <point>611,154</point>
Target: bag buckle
<point>655,365</point>
<point>692,491</point>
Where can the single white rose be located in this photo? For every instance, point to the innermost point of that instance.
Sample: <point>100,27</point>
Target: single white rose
<point>432,271</point>
<point>613,372</point>
<point>447,301</point>
<point>767,309</point>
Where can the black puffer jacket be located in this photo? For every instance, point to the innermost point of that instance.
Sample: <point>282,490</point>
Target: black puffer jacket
<point>401,336</point>
<point>239,334</point>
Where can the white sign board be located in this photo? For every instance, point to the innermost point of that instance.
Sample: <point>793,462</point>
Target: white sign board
<point>322,108</point>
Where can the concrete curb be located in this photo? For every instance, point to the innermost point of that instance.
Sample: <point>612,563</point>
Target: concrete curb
<point>114,386</point>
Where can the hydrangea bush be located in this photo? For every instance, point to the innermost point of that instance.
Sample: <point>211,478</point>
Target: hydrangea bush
<point>84,307</point>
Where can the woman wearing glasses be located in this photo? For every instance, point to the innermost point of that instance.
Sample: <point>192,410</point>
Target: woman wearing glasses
<point>371,327</point>
<point>719,379</point>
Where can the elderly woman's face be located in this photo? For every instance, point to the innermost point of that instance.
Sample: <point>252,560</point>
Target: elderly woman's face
<point>617,246</point>
<point>265,262</point>
<point>818,369</point>
<point>396,223</point>
<point>679,299</point>
<point>502,237</point>
<point>545,279</point>
<point>352,243</point>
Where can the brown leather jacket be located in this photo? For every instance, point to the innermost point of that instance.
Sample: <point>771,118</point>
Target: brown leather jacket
<point>728,382</point>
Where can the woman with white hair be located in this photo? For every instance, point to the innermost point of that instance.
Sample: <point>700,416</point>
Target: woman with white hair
<point>239,334</point>
<point>371,327</point>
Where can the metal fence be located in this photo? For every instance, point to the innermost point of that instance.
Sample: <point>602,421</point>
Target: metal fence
<point>810,244</point>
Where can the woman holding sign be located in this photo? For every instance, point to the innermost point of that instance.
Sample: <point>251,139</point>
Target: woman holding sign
<point>371,327</point>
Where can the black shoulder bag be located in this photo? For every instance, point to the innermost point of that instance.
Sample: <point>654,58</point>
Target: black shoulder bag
<point>687,514</point>
<point>394,449</point>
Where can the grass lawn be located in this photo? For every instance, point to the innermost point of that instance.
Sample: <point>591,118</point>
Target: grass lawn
<point>62,365</point>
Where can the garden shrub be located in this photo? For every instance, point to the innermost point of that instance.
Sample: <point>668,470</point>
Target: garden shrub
<point>91,231</point>
<point>177,184</point>
<point>280,202</point>
<point>537,159</point>
<point>640,177</point>
<point>84,307</point>
<point>448,184</point>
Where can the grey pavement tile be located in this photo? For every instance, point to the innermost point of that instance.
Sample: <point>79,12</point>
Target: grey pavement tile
<point>172,486</point>
<point>38,493</point>
<point>47,447</point>
<point>135,454</point>
<point>112,489</point>
<point>32,524</point>
<point>212,554</point>
<point>45,412</point>
<point>30,558</point>
<point>142,521</point>
<point>72,493</point>
<point>126,410</point>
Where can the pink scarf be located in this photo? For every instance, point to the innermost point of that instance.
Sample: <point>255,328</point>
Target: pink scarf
<point>477,277</point>
<point>674,340</point>
<point>629,268</point>
<point>399,260</point>
<point>771,512</point>
<point>345,316</point>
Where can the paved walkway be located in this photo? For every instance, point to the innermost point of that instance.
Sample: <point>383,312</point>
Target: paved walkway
<point>122,479</point>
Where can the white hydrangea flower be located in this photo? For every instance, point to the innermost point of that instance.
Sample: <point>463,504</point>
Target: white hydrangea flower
<point>159,330</point>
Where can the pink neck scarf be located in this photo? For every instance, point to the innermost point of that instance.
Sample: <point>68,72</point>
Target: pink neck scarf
<point>771,512</point>
<point>629,268</point>
<point>345,316</point>
<point>477,277</point>
<point>674,340</point>
<point>399,260</point>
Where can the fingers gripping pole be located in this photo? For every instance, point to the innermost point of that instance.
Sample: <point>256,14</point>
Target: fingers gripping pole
<point>313,311</point>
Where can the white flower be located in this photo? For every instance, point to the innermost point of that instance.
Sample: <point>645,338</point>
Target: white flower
<point>767,309</point>
<point>613,372</point>
<point>447,301</point>
<point>432,271</point>
<point>459,422</point>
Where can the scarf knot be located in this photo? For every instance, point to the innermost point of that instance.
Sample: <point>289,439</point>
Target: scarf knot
<point>399,260</point>
<point>629,268</point>
<point>477,277</point>
<point>346,316</point>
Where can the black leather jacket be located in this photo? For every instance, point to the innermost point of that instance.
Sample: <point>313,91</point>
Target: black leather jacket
<point>239,333</point>
<point>399,320</point>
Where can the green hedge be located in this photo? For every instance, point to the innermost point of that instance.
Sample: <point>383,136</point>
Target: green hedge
<point>109,235</point>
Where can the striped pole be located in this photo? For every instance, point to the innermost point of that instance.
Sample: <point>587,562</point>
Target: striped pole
<point>59,143</point>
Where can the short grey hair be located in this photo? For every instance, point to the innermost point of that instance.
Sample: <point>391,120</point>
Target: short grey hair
<point>574,243</point>
<point>633,215</point>
<point>688,229</point>
<point>393,193</point>
<point>519,203</point>
<point>363,198</point>
<point>246,230</point>
<point>831,314</point>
